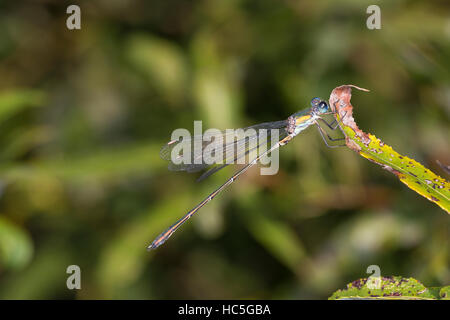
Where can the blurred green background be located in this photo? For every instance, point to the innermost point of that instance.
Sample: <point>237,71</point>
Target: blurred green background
<point>83,115</point>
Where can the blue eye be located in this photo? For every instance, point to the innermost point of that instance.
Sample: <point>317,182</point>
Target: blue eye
<point>315,101</point>
<point>323,107</point>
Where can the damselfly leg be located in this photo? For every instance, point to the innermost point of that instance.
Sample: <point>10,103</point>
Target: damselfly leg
<point>335,124</point>
<point>323,133</point>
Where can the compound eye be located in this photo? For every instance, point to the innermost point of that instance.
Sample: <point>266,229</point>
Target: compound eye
<point>323,107</point>
<point>315,101</point>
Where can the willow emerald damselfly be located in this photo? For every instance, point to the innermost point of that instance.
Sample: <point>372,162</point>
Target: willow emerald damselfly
<point>287,129</point>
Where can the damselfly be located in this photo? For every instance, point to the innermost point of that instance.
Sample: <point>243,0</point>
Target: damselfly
<point>287,129</point>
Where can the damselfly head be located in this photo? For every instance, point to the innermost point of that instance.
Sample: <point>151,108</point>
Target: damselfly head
<point>320,106</point>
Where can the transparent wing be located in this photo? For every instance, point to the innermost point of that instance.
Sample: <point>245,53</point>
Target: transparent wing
<point>224,147</point>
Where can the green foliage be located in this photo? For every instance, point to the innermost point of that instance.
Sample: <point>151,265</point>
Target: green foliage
<point>161,61</point>
<point>444,292</point>
<point>14,101</point>
<point>16,248</point>
<point>279,239</point>
<point>101,164</point>
<point>84,113</point>
<point>389,288</point>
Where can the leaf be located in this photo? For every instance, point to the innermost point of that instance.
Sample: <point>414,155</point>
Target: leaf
<point>44,277</point>
<point>387,288</point>
<point>279,239</point>
<point>15,100</point>
<point>161,61</point>
<point>16,249</point>
<point>409,171</point>
<point>100,164</point>
<point>444,293</point>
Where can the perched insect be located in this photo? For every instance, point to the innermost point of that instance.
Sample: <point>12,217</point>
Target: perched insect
<point>287,130</point>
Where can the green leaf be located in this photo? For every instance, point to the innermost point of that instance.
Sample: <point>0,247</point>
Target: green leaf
<point>279,239</point>
<point>101,164</point>
<point>387,288</point>
<point>276,236</point>
<point>444,293</point>
<point>409,171</point>
<point>16,248</point>
<point>162,62</point>
<point>14,101</point>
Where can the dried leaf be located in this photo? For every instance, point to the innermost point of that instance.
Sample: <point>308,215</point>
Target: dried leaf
<point>409,171</point>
